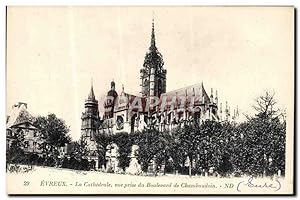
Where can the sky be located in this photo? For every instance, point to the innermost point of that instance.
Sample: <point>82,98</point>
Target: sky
<point>54,53</point>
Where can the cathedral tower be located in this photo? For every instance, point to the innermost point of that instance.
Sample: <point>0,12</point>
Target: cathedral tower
<point>109,103</point>
<point>90,118</point>
<point>153,75</point>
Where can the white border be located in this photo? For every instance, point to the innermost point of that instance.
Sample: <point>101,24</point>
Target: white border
<point>3,4</point>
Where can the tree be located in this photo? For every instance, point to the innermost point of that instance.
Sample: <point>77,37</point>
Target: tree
<point>149,145</point>
<point>54,130</point>
<point>238,148</point>
<point>272,120</point>
<point>263,139</point>
<point>15,153</point>
<point>191,140</point>
<point>79,149</point>
<point>54,133</point>
<point>265,105</point>
<point>78,157</point>
<point>124,144</point>
<point>169,154</point>
<point>216,146</point>
<point>102,140</point>
<point>175,149</point>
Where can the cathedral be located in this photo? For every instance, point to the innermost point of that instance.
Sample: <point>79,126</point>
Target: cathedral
<point>155,107</point>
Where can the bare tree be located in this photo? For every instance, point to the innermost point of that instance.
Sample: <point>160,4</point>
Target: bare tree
<point>265,105</point>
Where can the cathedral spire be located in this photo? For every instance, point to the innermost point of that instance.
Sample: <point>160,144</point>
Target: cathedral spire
<point>153,75</point>
<point>153,46</point>
<point>91,95</point>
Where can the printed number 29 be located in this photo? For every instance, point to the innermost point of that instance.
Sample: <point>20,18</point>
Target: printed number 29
<point>26,183</point>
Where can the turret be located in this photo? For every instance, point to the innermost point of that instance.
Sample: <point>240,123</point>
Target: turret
<point>221,112</point>
<point>226,112</point>
<point>211,96</point>
<point>110,101</point>
<point>113,85</point>
<point>90,116</point>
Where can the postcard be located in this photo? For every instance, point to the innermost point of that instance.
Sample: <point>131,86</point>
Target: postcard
<point>189,100</point>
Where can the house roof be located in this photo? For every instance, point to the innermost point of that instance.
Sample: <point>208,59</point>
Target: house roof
<point>19,115</point>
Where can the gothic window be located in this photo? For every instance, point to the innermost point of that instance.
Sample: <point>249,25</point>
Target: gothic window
<point>9,133</point>
<point>120,122</point>
<point>34,146</point>
<point>180,115</point>
<point>197,114</point>
<point>146,85</point>
<point>169,117</point>
<point>133,123</point>
<point>160,86</point>
<point>146,82</point>
<point>7,144</point>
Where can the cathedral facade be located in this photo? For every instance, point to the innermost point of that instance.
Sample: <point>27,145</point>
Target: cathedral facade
<point>155,107</point>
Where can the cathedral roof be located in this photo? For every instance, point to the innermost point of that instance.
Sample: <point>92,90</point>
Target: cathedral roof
<point>195,93</point>
<point>192,90</point>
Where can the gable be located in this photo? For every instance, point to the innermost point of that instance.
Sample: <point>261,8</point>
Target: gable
<point>25,125</point>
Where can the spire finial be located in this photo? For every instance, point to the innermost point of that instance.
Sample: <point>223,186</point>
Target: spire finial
<point>91,95</point>
<point>152,20</point>
<point>152,17</point>
<point>153,47</point>
<point>122,88</point>
<point>216,98</point>
<point>202,85</point>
